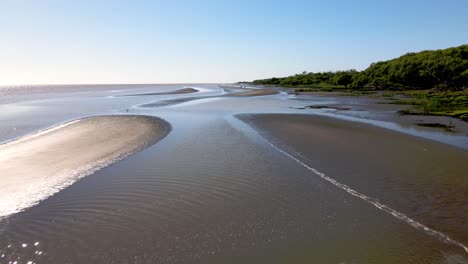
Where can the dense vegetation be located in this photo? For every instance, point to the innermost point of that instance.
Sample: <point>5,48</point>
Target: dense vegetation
<point>441,69</point>
<point>429,82</point>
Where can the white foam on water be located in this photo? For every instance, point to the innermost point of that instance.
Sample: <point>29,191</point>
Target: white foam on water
<point>373,201</point>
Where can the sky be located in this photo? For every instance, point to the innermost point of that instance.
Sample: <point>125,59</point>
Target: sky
<point>84,42</point>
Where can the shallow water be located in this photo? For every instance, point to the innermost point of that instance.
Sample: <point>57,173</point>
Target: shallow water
<point>212,191</point>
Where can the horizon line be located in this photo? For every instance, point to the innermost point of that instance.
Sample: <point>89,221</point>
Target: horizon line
<point>75,84</point>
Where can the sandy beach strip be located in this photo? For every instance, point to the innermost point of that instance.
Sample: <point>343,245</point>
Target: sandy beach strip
<point>423,179</point>
<point>38,165</point>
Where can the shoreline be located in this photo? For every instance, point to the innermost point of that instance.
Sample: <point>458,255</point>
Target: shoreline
<point>411,102</point>
<point>38,165</point>
<point>372,108</point>
<point>420,103</point>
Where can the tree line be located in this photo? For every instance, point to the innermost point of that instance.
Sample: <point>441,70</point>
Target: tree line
<point>445,69</point>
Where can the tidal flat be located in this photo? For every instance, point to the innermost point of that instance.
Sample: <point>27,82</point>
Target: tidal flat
<point>225,174</point>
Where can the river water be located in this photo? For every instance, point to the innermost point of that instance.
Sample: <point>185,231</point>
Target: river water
<point>214,190</point>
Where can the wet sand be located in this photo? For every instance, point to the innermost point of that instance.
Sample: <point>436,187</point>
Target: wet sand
<point>423,179</point>
<point>36,166</point>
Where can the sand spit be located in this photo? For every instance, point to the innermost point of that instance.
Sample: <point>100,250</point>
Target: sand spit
<point>180,91</point>
<point>38,165</point>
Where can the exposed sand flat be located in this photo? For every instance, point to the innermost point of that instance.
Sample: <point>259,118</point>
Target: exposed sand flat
<point>180,91</point>
<point>423,179</point>
<point>36,166</point>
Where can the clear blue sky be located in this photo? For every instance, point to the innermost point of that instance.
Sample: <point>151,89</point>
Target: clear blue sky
<point>213,41</point>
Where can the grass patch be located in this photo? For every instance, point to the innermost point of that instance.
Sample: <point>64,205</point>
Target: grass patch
<point>421,102</point>
<point>453,104</point>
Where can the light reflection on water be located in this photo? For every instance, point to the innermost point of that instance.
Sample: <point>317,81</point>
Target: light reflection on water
<point>22,252</point>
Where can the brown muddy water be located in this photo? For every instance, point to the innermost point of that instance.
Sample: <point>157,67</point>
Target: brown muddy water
<point>217,189</point>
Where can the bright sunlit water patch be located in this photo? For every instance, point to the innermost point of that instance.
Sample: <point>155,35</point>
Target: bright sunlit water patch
<point>22,252</point>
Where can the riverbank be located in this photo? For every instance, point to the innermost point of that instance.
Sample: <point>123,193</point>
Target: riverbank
<point>417,102</point>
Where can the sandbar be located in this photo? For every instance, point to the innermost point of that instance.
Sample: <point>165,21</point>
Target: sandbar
<point>36,166</point>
